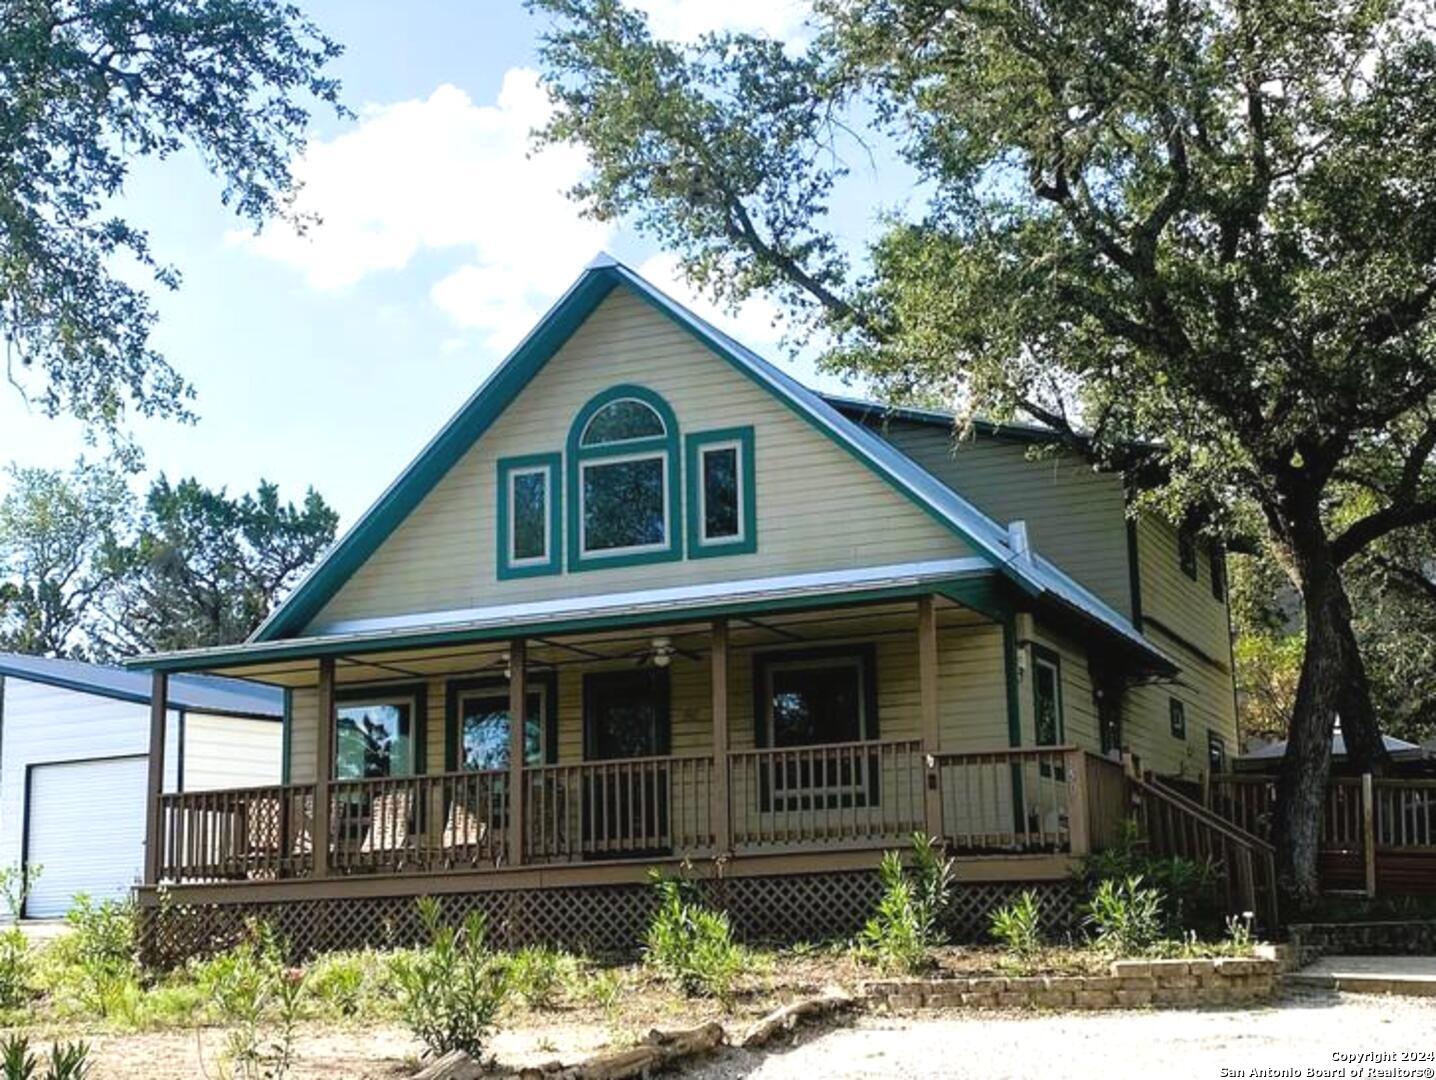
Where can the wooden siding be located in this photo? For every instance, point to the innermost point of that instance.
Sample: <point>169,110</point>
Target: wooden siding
<point>1183,618</point>
<point>971,685</point>
<point>443,556</point>
<point>229,751</point>
<point>1075,516</point>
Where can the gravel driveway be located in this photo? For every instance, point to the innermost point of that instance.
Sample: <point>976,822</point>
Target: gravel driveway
<point>1301,1032</point>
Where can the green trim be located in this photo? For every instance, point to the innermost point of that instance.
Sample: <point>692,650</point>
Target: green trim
<point>1009,664</point>
<point>1177,717</point>
<point>666,444</point>
<point>309,648</point>
<point>1134,572</point>
<point>553,562</point>
<point>419,737</point>
<point>286,738</point>
<point>1048,656</point>
<point>747,541</point>
<point>986,595</point>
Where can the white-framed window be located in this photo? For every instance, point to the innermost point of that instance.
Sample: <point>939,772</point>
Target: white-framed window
<point>530,525</point>
<point>722,504</point>
<point>623,505</point>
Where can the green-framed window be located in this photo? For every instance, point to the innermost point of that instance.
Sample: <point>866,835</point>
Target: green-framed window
<point>1177,712</point>
<point>624,483</point>
<point>1047,717</point>
<point>722,498</point>
<point>530,516</point>
<point>1187,552</point>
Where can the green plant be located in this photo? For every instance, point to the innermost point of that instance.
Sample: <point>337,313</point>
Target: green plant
<point>906,926</point>
<point>691,944</point>
<point>1189,888</point>
<point>350,984</point>
<point>15,968</point>
<point>604,988</point>
<point>537,975</point>
<point>244,985</point>
<point>1018,926</point>
<point>68,1061</point>
<point>1126,916</point>
<point>450,992</point>
<point>95,962</point>
<point>15,885</point>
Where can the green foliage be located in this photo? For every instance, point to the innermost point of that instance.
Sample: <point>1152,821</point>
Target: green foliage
<point>907,924</point>
<point>1125,916</point>
<point>537,974</point>
<point>1018,926</point>
<point>68,1061</point>
<point>350,984</point>
<point>689,943</point>
<point>604,989</point>
<point>451,991</point>
<point>1190,900</point>
<point>230,80</point>
<point>95,961</point>
<point>246,985</point>
<point>16,968</point>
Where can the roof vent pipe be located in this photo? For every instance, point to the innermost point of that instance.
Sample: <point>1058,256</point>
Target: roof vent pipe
<point>1017,539</point>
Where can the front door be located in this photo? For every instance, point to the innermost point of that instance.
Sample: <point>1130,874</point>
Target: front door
<point>626,724</point>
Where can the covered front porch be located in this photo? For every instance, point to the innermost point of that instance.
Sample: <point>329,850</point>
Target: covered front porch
<point>803,738</point>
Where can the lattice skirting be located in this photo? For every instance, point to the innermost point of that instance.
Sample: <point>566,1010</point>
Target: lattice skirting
<point>595,919</point>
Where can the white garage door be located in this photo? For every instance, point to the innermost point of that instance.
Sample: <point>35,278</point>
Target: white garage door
<point>85,826</point>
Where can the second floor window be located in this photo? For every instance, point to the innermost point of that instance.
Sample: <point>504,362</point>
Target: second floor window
<point>1187,552</point>
<point>1178,714</point>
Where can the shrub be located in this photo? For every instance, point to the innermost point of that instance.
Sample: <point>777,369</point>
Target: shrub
<point>1018,926</point>
<point>93,967</point>
<point>907,924</point>
<point>450,992</point>
<point>1126,916</point>
<point>537,975</point>
<point>604,988</point>
<point>352,984</point>
<point>691,944</point>
<point>1189,888</point>
<point>15,968</point>
<point>244,985</point>
<point>15,885</point>
<point>68,1061</point>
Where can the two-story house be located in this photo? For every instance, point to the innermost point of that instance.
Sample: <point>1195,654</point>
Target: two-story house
<point>646,599</point>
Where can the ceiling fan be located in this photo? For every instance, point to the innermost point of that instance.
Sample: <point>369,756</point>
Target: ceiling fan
<point>660,653</point>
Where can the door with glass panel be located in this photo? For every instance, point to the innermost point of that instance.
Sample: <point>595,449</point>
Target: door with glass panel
<point>625,809</point>
<point>376,739</point>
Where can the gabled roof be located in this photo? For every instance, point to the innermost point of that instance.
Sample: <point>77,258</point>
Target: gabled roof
<point>194,693</point>
<point>987,538</point>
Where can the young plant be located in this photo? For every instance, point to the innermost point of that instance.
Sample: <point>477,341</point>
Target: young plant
<point>15,885</point>
<point>536,974</point>
<point>451,991</point>
<point>1126,916</point>
<point>906,926</point>
<point>99,971</point>
<point>691,944</point>
<point>68,1061</point>
<point>1018,926</point>
<point>244,986</point>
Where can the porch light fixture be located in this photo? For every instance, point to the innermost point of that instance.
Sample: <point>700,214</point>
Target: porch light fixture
<point>662,652</point>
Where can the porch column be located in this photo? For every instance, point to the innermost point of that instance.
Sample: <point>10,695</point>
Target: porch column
<point>323,767</point>
<point>722,821</point>
<point>518,703</point>
<point>155,784</point>
<point>931,728</point>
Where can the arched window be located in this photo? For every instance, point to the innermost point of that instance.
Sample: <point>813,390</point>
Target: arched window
<point>623,480</point>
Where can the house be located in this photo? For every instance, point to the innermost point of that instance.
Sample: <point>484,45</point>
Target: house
<point>74,760</point>
<point>745,625</point>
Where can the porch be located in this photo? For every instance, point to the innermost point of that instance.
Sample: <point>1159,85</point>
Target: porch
<point>802,740</point>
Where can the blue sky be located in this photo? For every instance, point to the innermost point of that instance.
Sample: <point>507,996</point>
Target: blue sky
<point>331,360</point>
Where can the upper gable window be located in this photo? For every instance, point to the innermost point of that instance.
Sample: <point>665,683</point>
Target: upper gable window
<point>530,522</point>
<point>623,481</point>
<point>622,421</point>
<point>722,509</point>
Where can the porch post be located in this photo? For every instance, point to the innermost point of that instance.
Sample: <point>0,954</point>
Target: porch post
<point>931,724</point>
<point>323,767</point>
<point>155,784</point>
<point>722,821</point>
<point>518,703</point>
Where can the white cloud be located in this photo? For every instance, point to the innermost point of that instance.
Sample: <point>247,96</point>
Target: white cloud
<point>441,174</point>
<point>687,20</point>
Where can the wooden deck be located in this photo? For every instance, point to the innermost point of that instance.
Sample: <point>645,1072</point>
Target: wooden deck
<point>1025,812</point>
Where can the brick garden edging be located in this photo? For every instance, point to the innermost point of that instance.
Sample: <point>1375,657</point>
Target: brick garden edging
<point>1128,984</point>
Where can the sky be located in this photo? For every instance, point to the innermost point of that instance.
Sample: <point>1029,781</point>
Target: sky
<point>329,360</point>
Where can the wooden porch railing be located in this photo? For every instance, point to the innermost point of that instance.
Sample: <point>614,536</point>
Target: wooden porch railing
<point>856,793</point>
<point>1176,825</point>
<point>611,809</point>
<point>254,834</point>
<point>1007,801</point>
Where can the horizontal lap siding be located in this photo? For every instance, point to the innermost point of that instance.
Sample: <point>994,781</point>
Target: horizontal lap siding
<point>1075,516</point>
<point>1079,708</point>
<point>818,507</point>
<point>229,751</point>
<point>1182,618</point>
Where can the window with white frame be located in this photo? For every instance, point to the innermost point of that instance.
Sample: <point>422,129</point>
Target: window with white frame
<point>529,521</point>
<point>721,503</point>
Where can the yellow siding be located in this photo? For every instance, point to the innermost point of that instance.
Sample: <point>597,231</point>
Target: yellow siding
<point>808,489</point>
<point>1079,708</point>
<point>1075,516</point>
<point>1183,618</point>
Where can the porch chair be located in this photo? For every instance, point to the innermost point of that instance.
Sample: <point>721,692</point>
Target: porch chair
<point>466,836</point>
<point>388,825</point>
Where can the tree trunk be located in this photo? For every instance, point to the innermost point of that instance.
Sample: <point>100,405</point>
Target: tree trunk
<point>1365,750</point>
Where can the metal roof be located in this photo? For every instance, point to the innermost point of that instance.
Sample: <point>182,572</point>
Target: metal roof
<point>193,693</point>
<point>988,538</point>
<point>1275,751</point>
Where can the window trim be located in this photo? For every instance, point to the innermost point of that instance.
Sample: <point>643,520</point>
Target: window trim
<point>1177,711</point>
<point>1216,742</point>
<point>660,681</point>
<point>416,694</point>
<point>455,690</point>
<point>864,655</point>
<point>665,446</point>
<point>696,445</point>
<point>1043,655</point>
<point>552,560</point>
<point>1187,542</point>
